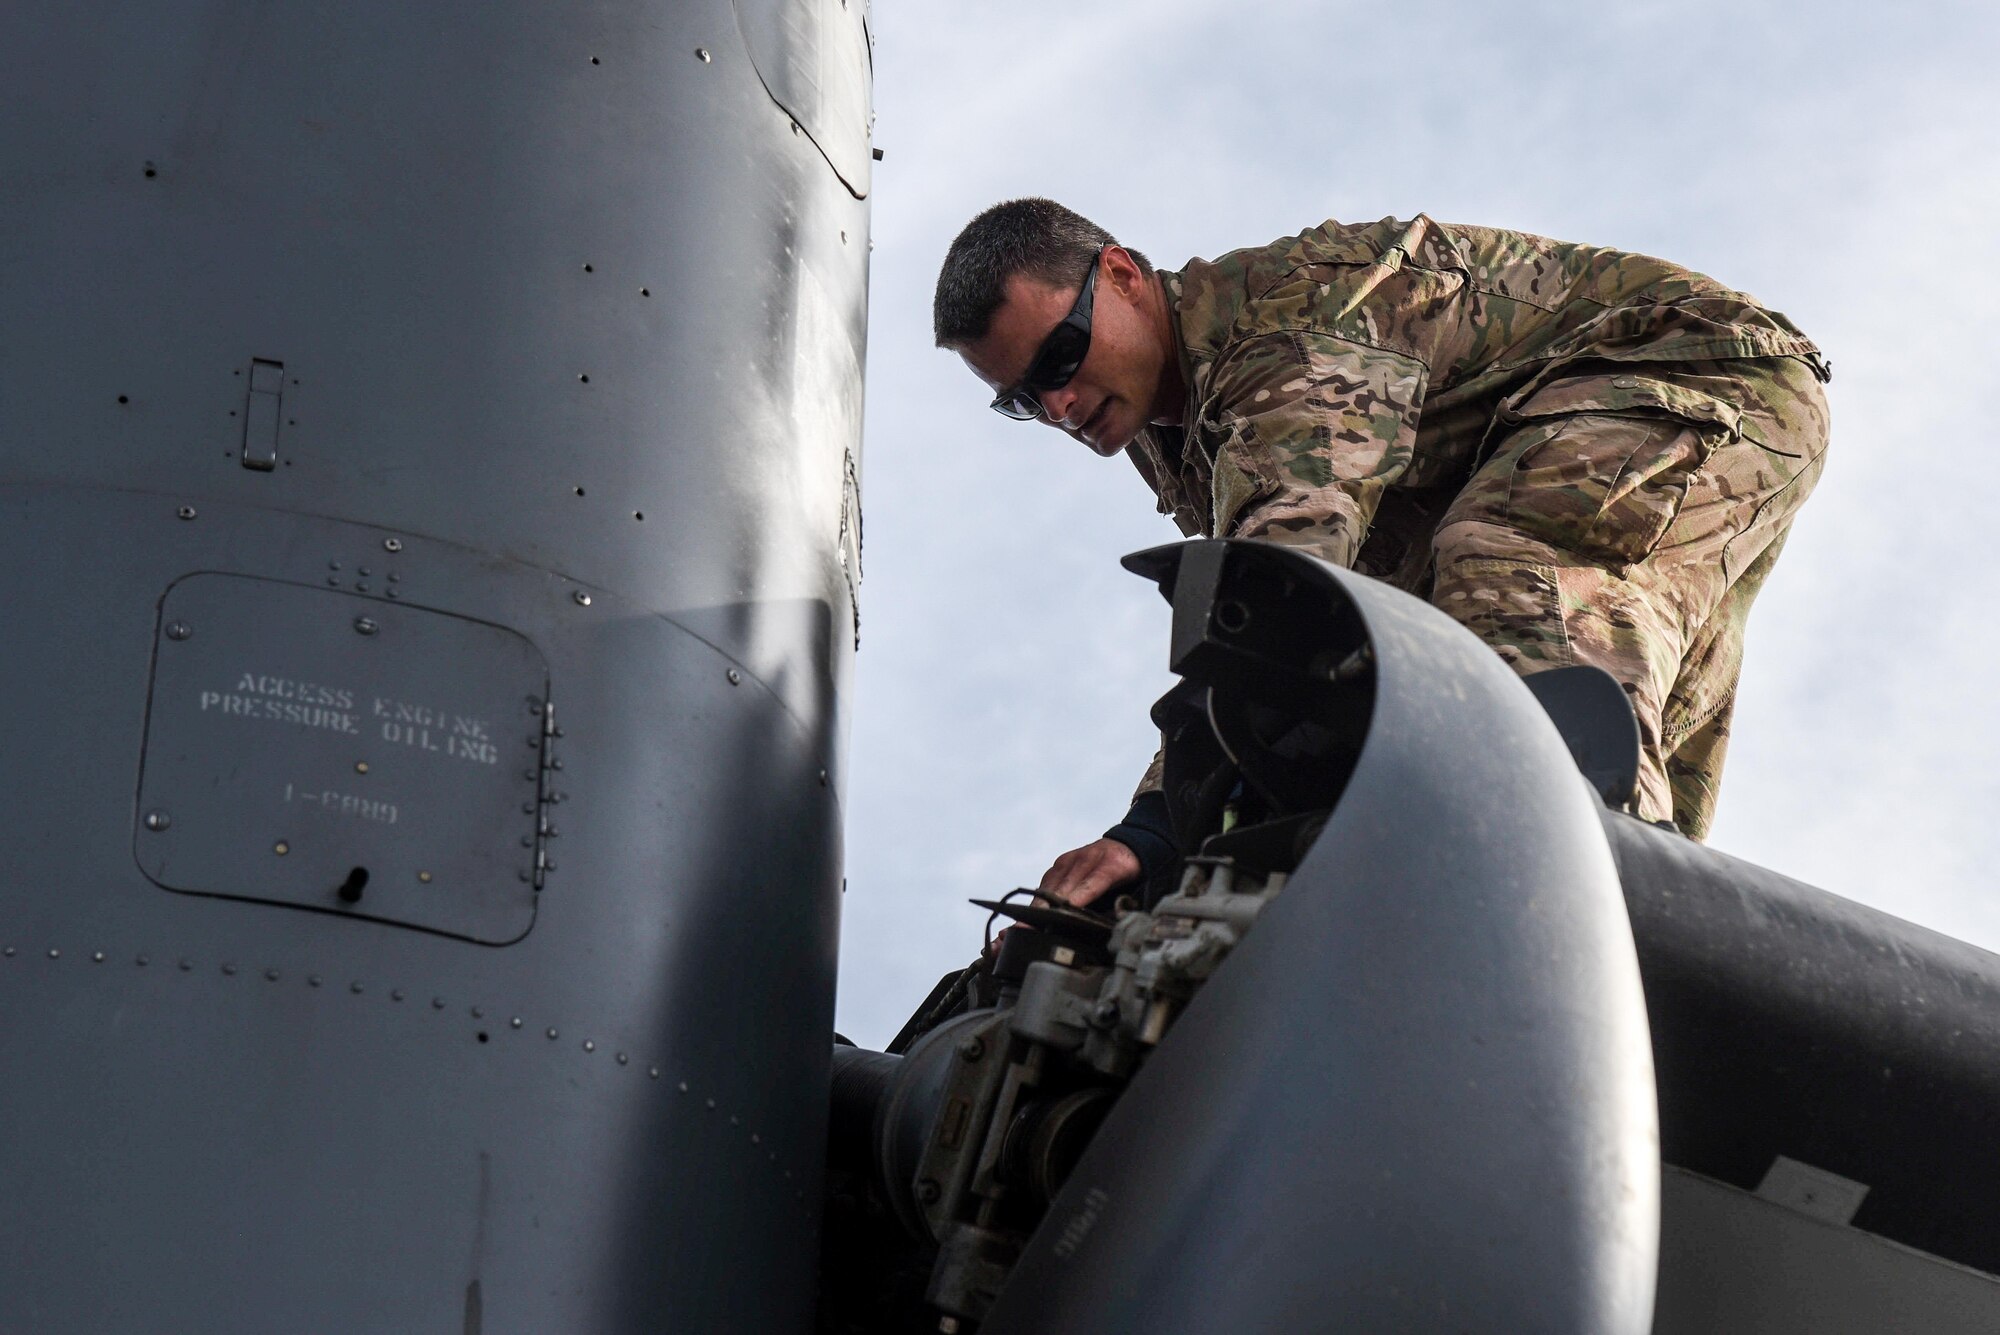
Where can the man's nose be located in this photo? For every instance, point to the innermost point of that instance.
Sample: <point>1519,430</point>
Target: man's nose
<point>1057,403</point>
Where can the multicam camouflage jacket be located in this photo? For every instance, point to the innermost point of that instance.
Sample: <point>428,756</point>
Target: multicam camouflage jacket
<point>1341,384</point>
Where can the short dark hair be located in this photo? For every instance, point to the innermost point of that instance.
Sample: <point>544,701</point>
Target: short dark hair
<point>1037,238</point>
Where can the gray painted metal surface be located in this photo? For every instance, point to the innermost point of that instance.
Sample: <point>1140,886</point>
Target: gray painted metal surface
<point>1419,1095</point>
<point>530,335</point>
<point>1731,1261</point>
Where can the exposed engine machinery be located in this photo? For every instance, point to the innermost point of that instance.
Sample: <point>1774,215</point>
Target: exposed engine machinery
<point>1010,1069</point>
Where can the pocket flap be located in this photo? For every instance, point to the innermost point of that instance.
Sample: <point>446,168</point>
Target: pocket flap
<point>1626,394</point>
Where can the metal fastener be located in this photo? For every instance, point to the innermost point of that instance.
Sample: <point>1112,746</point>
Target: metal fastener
<point>928,1191</point>
<point>361,587</point>
<point>478,1012</point>
<point>365,625</point>
<point>158,820</point>
<point>972,1049</point>
<point>270,975</point>
<point>623,1059</point>
<point>392,544</point>
<point>582,598</point>
<point>312,980</point>
<point>281,848</point>
<point>97,957</point>
<point>735,677</point>
<point>551,1032</point>
<point>437,1003</point>
<point>185,512</point>
<point>514,1023</point>
<point>396,994</point>
<point>54,954</point>
<point>589,1046</point>
<point>229,971</point>
<point>701,54</point>
<point>424,877</point>
<point>179,630</point>
<point>360,767</point>
<point>355,987</point>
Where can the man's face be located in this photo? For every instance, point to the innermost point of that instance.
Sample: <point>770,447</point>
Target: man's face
<point>1118,388</point>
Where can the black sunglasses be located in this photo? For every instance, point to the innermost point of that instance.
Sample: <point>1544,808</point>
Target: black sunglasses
<point>1056,360</point>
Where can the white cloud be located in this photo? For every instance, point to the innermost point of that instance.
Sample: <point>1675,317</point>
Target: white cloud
<point>1840,161</point>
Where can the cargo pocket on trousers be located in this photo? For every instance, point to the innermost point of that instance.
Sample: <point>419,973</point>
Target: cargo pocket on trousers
<point>1602,464</point>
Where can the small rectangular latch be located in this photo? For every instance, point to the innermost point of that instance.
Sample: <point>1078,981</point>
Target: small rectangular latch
<point>261,408</point>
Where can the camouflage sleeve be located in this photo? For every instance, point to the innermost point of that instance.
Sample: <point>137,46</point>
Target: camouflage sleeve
<point>1309,430</point>
<point>1154,779</point>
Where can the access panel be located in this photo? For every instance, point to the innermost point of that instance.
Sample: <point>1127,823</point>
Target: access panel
<point>311,747</point>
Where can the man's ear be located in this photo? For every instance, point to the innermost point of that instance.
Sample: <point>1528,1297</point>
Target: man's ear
<point>1116,263</point>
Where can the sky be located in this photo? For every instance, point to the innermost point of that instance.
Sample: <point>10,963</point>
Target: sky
<point>1840,161</point>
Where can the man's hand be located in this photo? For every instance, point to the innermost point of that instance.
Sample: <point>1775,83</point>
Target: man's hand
<point>1084,874</point>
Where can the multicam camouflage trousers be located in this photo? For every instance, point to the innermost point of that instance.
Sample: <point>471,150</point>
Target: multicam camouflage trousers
<point>1627,518</point>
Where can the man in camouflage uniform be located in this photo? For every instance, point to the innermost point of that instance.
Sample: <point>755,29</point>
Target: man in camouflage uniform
<point>1582,455</point>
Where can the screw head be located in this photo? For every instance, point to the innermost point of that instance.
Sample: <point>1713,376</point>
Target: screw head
<point>972,1049</point>
<point>360,767</point>
<point>158,820</point>
<point>185,512</point>
<point>424,877</point>
<point>365,625</point>
<point>928,1191</point>
<point>701,54</point>
<point>281,848</point>
<point>735,677</point>
<point>392,544</point>
<point>582,598</point>
<point>179,630</point>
